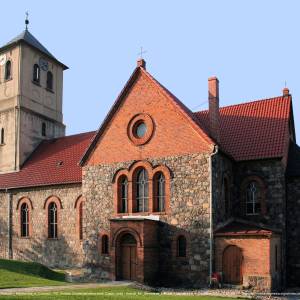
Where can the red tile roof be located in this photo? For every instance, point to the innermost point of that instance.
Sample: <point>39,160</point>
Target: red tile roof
<point>253,130</point>
<point>242,228</point>
<point>53,162</point>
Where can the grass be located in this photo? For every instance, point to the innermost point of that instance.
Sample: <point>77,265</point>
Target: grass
<point>27,274</point>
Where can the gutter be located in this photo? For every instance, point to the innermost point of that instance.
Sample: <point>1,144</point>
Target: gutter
<point>211,237</point>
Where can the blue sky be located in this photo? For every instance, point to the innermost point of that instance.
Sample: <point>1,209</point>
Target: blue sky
<point>252,46</point>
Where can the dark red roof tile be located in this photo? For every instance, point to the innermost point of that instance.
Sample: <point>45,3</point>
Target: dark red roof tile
<point>253,130</point>
<point>54,161</point>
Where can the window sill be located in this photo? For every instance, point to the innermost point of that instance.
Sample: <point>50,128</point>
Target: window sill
<point>49,90</point>
<point>25,237</point>
<point>2,144</point>
<point>36,83</point>
<point>53,239</point>
<point>6,80</point>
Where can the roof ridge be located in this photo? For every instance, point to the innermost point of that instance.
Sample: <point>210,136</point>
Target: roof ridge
<point>248,102</point>
<point>71,135</point>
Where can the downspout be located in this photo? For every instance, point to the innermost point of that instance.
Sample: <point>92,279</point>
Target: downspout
<point>211,236</point>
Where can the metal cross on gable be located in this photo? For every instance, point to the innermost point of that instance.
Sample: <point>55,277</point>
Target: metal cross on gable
<point>26,20</point>
<point>142,52</point>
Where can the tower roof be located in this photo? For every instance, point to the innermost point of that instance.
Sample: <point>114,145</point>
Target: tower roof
<point>29,39</point>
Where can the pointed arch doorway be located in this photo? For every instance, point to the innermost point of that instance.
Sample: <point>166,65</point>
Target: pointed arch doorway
<point>127,257</point>
<point>232,265</point>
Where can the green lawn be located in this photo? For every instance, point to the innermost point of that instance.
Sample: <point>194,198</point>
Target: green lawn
<point>26,274</point>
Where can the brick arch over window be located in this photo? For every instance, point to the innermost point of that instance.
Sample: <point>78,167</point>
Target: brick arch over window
<point>79,206</point>
<point>256,186</point>
<point>131,175</point>
<point>53,199</point>
<point>24,200</point>
<point>25,207</point>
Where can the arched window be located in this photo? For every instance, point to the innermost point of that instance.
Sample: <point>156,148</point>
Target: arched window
<point>181,246</point>
<point>253,205</point>
<point>104,244</point>
<point>52,221</point>
<point>123,195</point>
<point>80,219</point>
<point>226,195</point>
<point>24,218</point>
<point>142,191</point>
<point>43,129</point>
<point>49,81</point>
<point>7,74</point>
<point>36,73</point>
<point>159,189</point>
<point>2,136</point>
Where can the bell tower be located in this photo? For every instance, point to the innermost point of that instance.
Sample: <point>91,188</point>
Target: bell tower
<point>31,92</point>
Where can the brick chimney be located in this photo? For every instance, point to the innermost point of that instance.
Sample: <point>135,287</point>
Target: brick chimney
<point>214,113</point>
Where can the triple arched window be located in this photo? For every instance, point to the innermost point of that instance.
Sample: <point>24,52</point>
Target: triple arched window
<point>142,190</point>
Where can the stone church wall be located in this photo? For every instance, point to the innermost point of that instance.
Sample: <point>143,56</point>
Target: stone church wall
<point>65,251</point>
<point>293,231</point>
<point>189,215</point>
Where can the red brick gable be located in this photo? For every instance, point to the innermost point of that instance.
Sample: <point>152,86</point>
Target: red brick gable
<point>53,162</point>
<point>176,130</point>
<point>254,130</point>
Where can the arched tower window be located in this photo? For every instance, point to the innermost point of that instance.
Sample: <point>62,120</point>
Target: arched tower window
<point>49,80</point>
<point>52,220</point>
<point>253,195</point>
<point>2,136</point>
<point>142,191</point>
<point>7,73</point>
<point>24,218</point>
<point>181,246</point>
<point>159,187</point>
<point>43,129</point>
<point>123,195</point>
<point>104,244</point>
<point>36,73</point>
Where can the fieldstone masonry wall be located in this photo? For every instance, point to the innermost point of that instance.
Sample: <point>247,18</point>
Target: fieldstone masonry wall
<point>66,250</point>
<point>189,214</point>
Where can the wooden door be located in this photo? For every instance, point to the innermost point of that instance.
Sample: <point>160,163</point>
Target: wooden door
<point>232,265</point>
<point>128,259</point>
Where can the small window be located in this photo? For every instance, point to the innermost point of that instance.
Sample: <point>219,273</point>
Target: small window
<point>24,220</point>
<point>181,246</point>
<point>43,129</point>
<point>52,221</point>
<point>253,206</point>
<point>159,192</point>
<point>7,74</point>
<point>2,136</point>
<point>123,195</point>
<point>104,244</point>
<point>49,81</point>
<point>36,73</point>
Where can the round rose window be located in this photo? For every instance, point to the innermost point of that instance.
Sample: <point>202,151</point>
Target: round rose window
<point>140,129</point>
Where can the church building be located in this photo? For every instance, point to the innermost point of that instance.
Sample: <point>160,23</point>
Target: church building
<point>159,194</point>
